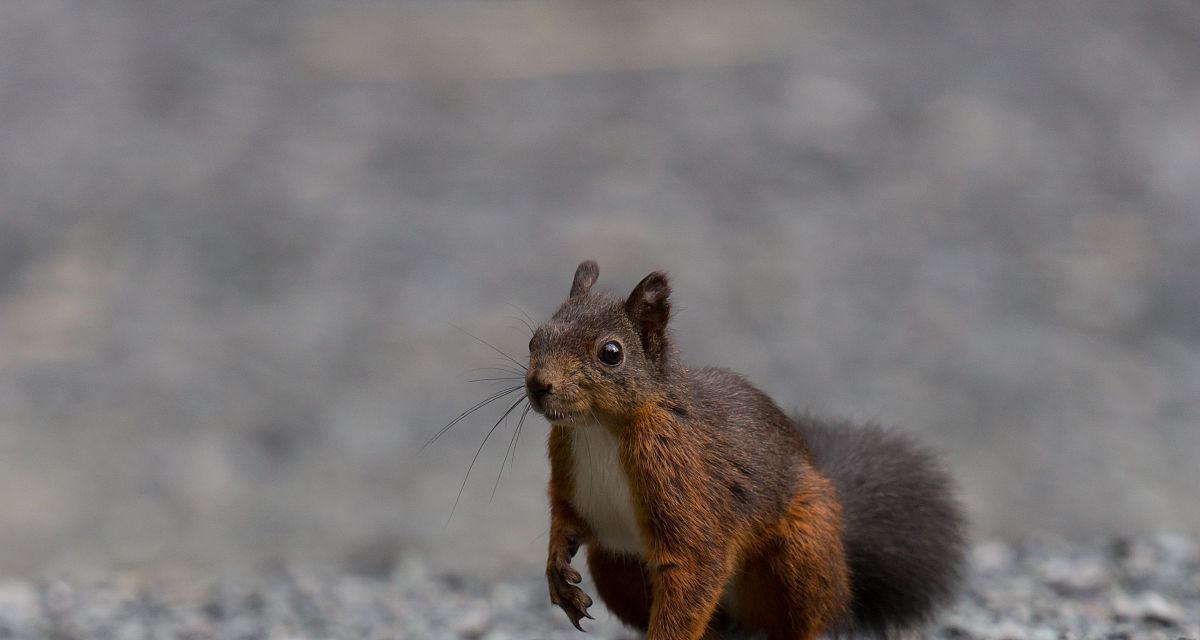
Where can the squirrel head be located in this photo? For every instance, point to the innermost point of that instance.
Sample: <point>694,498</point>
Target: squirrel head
<point>601,357</point>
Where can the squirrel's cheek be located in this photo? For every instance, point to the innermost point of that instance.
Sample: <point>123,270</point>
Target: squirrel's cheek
<point>614,402</point>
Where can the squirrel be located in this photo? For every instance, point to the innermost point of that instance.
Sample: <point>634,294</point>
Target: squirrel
<point>704,507</point>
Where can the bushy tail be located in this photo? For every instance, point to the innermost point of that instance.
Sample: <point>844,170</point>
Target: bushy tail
<point>903,528</point>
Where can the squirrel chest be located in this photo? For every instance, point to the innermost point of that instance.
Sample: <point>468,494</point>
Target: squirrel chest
<point>601,495</point>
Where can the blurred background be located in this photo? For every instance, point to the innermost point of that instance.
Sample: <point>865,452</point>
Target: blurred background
<point>234,236</point>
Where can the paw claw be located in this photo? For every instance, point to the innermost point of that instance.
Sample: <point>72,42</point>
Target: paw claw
<point>562,578</point>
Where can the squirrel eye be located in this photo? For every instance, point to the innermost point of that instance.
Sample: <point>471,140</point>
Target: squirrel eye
<point>610,353</point>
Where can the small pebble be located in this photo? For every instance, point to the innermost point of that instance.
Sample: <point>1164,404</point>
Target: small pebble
<point>1076,576</point>
<point>992,555</point>
<point>472,624</point>
<point>1150,607</point>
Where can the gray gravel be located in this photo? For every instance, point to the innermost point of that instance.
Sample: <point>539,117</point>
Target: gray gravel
<point>1146,587</point>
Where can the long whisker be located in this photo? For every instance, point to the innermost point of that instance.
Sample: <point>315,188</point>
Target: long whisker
<point>513,460</point>
<point>489,345</point>
<point>524,322</point>
<point>495,379</point>
<point>499,361</point>
<point>476,456</point>
<point>515,372</point>
<point>462,416</point>
<point>508,451</point>
<point>521,311</point>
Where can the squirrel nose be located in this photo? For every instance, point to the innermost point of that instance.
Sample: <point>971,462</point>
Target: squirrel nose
<point>537,386</point>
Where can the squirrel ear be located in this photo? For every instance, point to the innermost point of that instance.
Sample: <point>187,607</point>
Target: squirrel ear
<point>585,277</point>
<point>649,307</point>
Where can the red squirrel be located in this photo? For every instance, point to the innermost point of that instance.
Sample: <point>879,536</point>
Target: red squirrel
<point>705,507</point>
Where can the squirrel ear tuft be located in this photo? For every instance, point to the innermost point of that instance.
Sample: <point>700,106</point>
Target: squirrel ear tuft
<point>649,306</point>
<point>585,276</point>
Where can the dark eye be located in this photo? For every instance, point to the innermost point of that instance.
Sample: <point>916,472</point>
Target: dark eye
<point>610,353</point>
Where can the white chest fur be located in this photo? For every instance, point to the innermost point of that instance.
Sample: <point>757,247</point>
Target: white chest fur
<point>602,490</point>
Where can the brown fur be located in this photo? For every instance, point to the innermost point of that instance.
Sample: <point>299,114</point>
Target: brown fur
<point>736,522</point>
<point>623,583</point>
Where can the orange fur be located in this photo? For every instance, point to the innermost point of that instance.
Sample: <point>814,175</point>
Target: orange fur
<point>787,578</point>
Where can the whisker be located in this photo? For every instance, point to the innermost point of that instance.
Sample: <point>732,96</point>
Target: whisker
<point>524,322</point>
<point>515,372</point>
<point>476,456</point>
<point>489,345</point>
<point>498,361</point>
<point>521,329</point>
<point>529,319</point>
<point>495,379</point>
<point>507,451</point>
<point>468,412</point>
<point>512,461</point>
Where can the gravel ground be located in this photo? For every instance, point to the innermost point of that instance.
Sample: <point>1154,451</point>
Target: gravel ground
<point>1131,588</point>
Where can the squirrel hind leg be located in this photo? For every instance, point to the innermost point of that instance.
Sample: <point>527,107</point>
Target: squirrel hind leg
<point>797,585</point>
<point>903,527</point>
<point>623,584</point>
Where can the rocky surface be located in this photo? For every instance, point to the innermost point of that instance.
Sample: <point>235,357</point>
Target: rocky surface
<point>1138,588</point>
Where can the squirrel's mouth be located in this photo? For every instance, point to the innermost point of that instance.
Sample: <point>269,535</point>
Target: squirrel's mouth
<point>562,417</point>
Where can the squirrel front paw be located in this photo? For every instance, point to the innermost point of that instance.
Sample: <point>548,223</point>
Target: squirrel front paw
<point>562,578</point>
